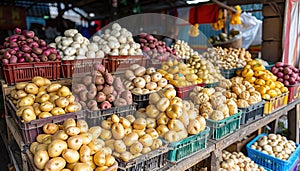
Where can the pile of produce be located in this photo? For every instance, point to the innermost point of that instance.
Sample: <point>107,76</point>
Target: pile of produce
<point>117,41</point>
<point>183,50</point>
<point>100,90</point>
<point>263,80</point>
<point>242,92</point>
<point>204,69</point>
<point>228,58</point>
<point>154,48</point>
<point>223,37</point>
<point>140,80</point>
<point>238,161</point>
<point>275,145</point>
<point>24,46</point>
<point>213,104</point>
<point>74,46</point>
<point>287,74</point>
<point>178,73</point>
<point>129,137</point>
<point>41,99</point>
<point>72,146</point>
<point>173,118</point>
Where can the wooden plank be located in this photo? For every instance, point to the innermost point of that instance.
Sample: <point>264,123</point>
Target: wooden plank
<point>293,123</point>
<point>193,159</point>
<point>11,125</point>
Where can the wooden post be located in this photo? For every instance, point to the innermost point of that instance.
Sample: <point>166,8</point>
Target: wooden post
<point>293,123</point>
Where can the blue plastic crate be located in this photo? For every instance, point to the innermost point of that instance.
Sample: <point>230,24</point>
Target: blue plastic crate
<point>271,162</point>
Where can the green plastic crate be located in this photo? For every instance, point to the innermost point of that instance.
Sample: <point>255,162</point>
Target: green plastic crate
<point>219,129</point>
<point>184,148</point>
<point>212,85</point>
<point>229,73</point>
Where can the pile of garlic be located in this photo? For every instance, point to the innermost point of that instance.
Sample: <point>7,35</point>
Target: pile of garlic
<point>183,50</point>
<point>117,41</point>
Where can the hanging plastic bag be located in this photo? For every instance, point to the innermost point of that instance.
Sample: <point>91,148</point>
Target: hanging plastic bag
<point>251,29</point>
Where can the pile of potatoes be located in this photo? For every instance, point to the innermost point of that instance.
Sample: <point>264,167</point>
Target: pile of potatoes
<point>174,118</point>
<point>242,92</point>
<point>204,69</point>
<point>183,50</point>
<point>129,137</point>
<point>238,161</point>
<point>71,146</point>
<point>140,80</point>
<point>75,46</point>
<point>213,104</point>
<point>275,145</point>
<point>178,73</point>
<point>117,41</point>
<point>228,58</point>
<point>41,99</point>
<point>100,90</point>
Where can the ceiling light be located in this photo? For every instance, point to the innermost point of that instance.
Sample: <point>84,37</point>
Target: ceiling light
<point>91,14</point>
<point>196,1</point>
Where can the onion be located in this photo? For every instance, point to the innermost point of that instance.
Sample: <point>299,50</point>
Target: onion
<point>12,52</point>
<point>26,55</point>
<point>22,38</point>
<point>37,50</point>
<point>146,48</point>
<point>280,79</point>
<point>33,45</point>
<point>26,48</point>
<point>13,44</point>
<point>29,34</point>
<point>143,35</point>
<point>280,74</point>
<point>5,61</point>
<point>287,71</point>
<point>19,54</point>
<point>35,38</point>
<point>7,55</point>
<point>47,52</point>
<point>13,59</point>
<point>18,30</point>
<point>149,37</point>
<point>286,82</point>
<point>15,48</point>
<point>286,77</point>
<point>21,60</point>
<point>52,50</point>
<point>279,64</point>
<point>42,42</point>
<point>29,40</point>
<point>34,55</point>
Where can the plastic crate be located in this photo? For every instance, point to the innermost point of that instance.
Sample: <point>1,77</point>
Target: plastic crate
<point>152,161</point>
<point>271,64</point>
<point>271,162</point>
<point>183,92</point>
<point>117,64</point>
<point>212,85</point>
<point>295,166</point>
<point>94,118</point>
<point>294,92</point>
<point>252,113</point>
<point>219,129</point>
<point>30,130</point>
<point>14,73</point>
<point>276,103</point>
<point>184,148</point>
<point>229,73</point>
<point>81,66</point>
<point>141,100</point>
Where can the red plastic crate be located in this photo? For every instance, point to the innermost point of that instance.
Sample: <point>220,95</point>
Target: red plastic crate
<point>30,130</point>
<point>121,63</point>
<point>183,92</point>
<point>294,92</point>
<point>14,73</point>
<point>81,66</point>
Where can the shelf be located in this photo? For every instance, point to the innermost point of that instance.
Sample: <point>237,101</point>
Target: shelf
<point>14,132</point>
<point>191,160</point>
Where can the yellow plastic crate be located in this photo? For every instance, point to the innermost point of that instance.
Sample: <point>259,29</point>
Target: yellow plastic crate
<point>276,103</point>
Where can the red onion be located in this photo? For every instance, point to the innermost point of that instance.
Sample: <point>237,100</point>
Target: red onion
<point>13,59</point>
<point>33,45</point>
<point>42,42</point>
<point>13,44</point>
<point>37,50</point>
<point>22,43</point>
<point>26,55</point>
<point>35,38</point>
<point>47,52</point>
<point>29,40</point>
<point>6,39</point>
<point>19,54</point>
<point>15,36</point>
<point>58,56</point>
<point>21,37</point>
<point>26,48</point>
<point>43,48</point>
<point>43,58</point>
<point>37,60</point>
<point>6,44</point>
<point>2,51</point>
<point>29,34</point>
<point>15,48</point>
<point>33,55</point>
<point>5,61</point>
<point>143,35</point>
<point>7,55</point>
<point>52,57</point>
<point>12,52</point>
<point>52,50</point>
<point>21,60</point>
<point>18,30</point>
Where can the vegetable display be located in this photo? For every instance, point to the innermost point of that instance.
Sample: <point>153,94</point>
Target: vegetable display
<point>204,69</point>
<point>129,137</point>
<point>174,118</point>
<point>287,74</point>
<point>227,58</point>
<point>41,99</point>
<point>154,48</point>
<point>178,73</point>
<point>101,90</point>
<point>264,81</point>
<point>213,104</point>
<point>71,146</point>
<point>117,41</point>
<point>74,46</point>
<point>275,145</point>
<point>140,80</point>
<point>238,161</point>
<point>24,46</point>
<point>183,50</point>
<point>242,92</point>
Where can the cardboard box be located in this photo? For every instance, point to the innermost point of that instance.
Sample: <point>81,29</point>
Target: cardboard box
<point>272,28</point>
<point>268,11</point>
<point>272,51</point>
